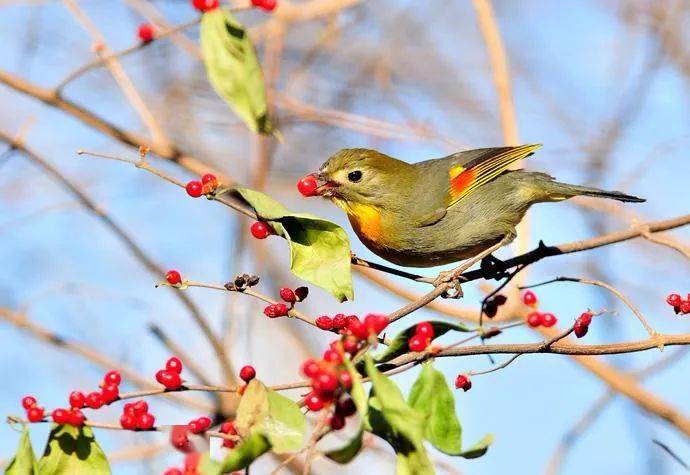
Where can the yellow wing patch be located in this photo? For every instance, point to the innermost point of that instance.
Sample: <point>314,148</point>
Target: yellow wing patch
<point>465,179</point>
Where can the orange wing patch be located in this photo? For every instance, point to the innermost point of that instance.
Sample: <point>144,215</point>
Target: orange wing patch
<point>464,179</point>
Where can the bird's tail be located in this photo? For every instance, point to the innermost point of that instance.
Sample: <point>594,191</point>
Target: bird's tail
<point>556,191</point>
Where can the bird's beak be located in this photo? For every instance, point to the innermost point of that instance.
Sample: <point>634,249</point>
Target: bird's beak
<point>326,187</point>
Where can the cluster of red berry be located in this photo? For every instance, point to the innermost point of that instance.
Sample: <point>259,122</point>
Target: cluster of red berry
<point>537,319</point>
<point>170,376</point>
<point>353,327</point>
<point>136,416</point>
<point>207,186</point>
<point>423,334</point>
<point>191,464</point>
<point>146,33</point>
<point>462,381</point>
<point>110,391</point>
<point>34,413</point>
<point>307,186</point>
<point>679,305</point>
<point>582,324</point>
<point>290,296</point>
<point>330,381</point>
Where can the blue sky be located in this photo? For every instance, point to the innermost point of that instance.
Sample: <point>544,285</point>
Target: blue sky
<point>569,59</point>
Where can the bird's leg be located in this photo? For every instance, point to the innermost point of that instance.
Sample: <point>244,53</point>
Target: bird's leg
<point>493,268</point>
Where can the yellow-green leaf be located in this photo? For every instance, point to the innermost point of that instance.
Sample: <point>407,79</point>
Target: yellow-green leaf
<point>319,249</point>
<point>244,454</point>
<point>73,450</point>
<point>286,426</point>
<point>233,68</point>
<point>432,396</point>
<point>478,449</point>
<point>24,461</point>
<point>252,410</point>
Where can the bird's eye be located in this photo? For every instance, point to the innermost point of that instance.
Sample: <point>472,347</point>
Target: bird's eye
<point>354,176</point>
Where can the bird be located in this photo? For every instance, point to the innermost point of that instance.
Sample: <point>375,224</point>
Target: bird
<point>443,210</point>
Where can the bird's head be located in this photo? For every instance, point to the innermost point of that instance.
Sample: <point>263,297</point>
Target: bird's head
<point>360,176</point>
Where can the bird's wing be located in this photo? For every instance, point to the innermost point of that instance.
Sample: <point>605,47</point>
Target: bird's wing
<point>482,166</point>
<point>467,171</point>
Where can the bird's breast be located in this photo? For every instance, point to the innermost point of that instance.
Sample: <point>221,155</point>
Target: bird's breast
<point>365,219</point>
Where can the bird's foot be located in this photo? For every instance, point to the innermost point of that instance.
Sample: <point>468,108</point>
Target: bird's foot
<point>493,268</point>
<point>454,291</point>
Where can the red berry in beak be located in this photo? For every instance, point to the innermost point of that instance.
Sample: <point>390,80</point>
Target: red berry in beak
<point>307,186</point>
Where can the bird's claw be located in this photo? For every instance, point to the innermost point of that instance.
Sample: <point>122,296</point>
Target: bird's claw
<point>454,291</point>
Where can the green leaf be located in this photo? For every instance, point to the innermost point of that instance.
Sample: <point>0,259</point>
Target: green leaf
<point>319,249</point>
<point>73,450</point>
<point>233,68</point>
<point>350,450</point>
<point>24,461</point>
<point>286,426</point>
<point>478,449</point>
<point>252,410</point>
<point>208,466</point>
<point>245,453</point>
<point>432,396</point>
<point>399,424</point>
<point>279,419</point>
<point>399,344</point>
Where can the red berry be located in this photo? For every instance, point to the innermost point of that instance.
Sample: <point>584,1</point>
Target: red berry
<point>139,407</point>
<point>191,462</point>
<point>228,427</point>
<point>173,277</point>
<point>332,356</point>
<point>260,230</point>
<point>146,32</point>
<point>313,402</point>
<point>128,421</point>
<point>417,343</point>
<point>324,322</point>
<point>529,298</point>
<point>205,5</point>
<point>204,423</point>
<point>307,185</point>
<point>357,328</point>
<point>169,379</point>
<point>210,179</point>
<point>339,321</point>
<point>325,383</point>
<point>310,368</point>
<point>375,323</point>
<point>674,300</point>
<point>580,328</point>
<point>179,438</point>
<point>463,382</point>
<point>94,400</point>
<point>350,345</point>
<point>61,416</point>
<point>345,378</point>
<point>345,407</point>
<point>34,414</point>
<point>337,421</point>
<point>684,306</point>
<point>534,319</point>
<point>424,330</point>
<point>194,427</point>
<point>76,418</point>
<point>174,364</point>
<point>585,318</point>
<point>288,295</point>
<point>247,373</point>
<point>28,402</point>
<point>548,320</point>
<point>145,421</point>
<point>194,188</point>
<point>173,471</point>
<point>110,393</point>
<point>113,376</point>
<point>276,310</point>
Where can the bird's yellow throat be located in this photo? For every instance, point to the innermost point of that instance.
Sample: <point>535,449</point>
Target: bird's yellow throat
<point>366,219</point>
